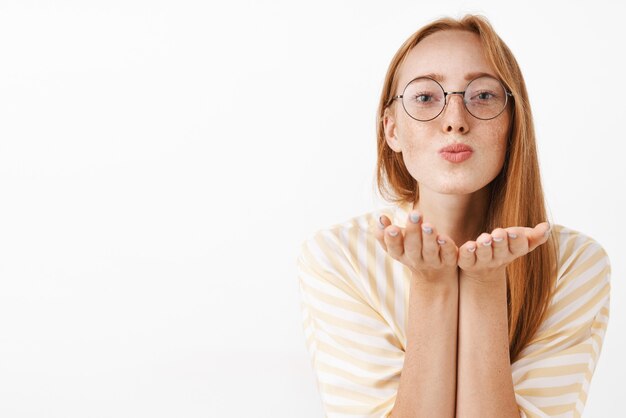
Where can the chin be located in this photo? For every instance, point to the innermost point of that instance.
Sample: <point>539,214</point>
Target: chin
<point>454,188</point>
<point>459,190</point>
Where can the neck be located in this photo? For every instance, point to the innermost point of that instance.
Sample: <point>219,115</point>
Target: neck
<point>459,216</point>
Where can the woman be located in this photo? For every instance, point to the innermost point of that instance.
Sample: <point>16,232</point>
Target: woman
<point>460,299</point>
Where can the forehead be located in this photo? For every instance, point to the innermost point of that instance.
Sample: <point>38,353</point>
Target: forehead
<point>454,55</point>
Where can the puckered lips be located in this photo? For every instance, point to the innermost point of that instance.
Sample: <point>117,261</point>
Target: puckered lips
<point>456,153</point>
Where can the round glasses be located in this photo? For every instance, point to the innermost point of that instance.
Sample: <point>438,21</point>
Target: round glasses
<point>424,99</point>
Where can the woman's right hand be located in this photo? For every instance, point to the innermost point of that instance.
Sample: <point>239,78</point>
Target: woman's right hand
<point>430,256</point>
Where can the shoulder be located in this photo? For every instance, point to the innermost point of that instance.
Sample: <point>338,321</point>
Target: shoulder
<point>348,248</point>
<point>353,235</point>
<point>363,224</point>
<point>343,240</point>
<point>581,295</point>
<point>580,257</point>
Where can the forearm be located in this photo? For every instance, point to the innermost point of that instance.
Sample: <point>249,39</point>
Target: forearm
<point>484,381</point>
<point>428,379</point>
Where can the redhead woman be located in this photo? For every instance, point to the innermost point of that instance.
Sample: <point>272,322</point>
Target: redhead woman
<point>461,298</point>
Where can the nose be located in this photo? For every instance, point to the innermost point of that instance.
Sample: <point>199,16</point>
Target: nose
<point>455,117</point>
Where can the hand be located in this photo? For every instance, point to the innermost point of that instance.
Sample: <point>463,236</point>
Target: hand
<point>485,259</point>
<point>418,246</point>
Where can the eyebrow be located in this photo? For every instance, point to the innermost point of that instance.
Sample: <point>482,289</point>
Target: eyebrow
<point>469,76</point>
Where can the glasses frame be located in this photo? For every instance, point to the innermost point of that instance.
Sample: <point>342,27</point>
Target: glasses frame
<point>447,93</point>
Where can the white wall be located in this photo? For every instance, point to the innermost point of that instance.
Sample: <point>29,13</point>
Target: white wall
<point>162,161</point>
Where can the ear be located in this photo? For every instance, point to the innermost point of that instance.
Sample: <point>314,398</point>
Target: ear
<point>389,126</point>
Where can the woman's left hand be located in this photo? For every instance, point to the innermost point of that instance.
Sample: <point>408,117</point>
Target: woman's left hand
<point>485,259</point>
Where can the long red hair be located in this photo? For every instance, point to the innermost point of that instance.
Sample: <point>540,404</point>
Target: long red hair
<point>516,193</point>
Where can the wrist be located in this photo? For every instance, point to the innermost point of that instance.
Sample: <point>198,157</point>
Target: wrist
<point>487,279</point>
<point>482,287</point>
<point>443,282</point>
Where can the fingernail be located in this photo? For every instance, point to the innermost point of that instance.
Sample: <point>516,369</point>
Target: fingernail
<point>471,249</point>
<point>512,235</point>
<point>497,239</point>
<point>415,217</point>
<point>545,234</point>
<point>487,243</point>
<point>393,233</point>
<point>380,222</point>
<point>441,241</point>
<point>427,229</point>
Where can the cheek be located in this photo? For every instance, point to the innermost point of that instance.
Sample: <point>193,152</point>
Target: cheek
<point>493,139</point>
<point>415,149</point>
<point>500,137</point>
<point>420,155</point>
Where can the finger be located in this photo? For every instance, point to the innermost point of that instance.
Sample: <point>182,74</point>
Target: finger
<point>430,248</point>
<point>539,235</point>
<point>393,239</point>
<point>379,231</point>
<point>413,237</point>
<point>500,245</point>
<point>484,251</point>
<point>467,255</point>
<point>518,243</point>
<point>447,250</point>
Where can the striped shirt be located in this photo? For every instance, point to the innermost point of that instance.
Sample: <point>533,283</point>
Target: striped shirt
<point>355,301</point>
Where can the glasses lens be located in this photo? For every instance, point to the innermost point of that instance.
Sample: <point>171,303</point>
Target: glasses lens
<point>423,99</point>
<point>485,97</point>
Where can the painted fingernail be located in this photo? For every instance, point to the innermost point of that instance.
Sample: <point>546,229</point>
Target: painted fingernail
<point>487,243</point>
<point>545,234</point>
<point>441,241</point>
<point>427,229</point>
<point>497,239</point>
<point>415,217</point>
<point>380,222</point>
<point>471,249</point>
<point>393,233</point>
<point>512,235</point>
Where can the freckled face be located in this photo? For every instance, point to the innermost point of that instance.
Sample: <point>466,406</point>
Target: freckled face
<point>452,54</point>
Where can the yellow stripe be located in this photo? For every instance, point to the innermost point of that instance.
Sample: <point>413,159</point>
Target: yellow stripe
<point>353,395</point>
<point>372,247</point>
<point>551,348</point>
<point>356,362</point>
<point>582,289</point>
<point>569,247</point>
<point>550,391</point>
<point>552,410</point>
<point>342,322</point>
<point>573,257</point>
<point>342,303</point>
<point>555,371</point>
<point>366,348</point>
<point>583,309</point>
<point>371,271</point>
<point>363,410</point>
<point>375,351</point>
<point>309,264</point>
<point>353,234</point>
<point>388,383</point>
<point>558,409</point>
<point>390,291</point>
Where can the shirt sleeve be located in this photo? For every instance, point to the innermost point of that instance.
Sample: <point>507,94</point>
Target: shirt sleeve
<point>355,355</point>
<point>552,375</point>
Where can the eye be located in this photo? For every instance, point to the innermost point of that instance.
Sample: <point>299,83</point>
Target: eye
<point>483,96</point>
<point>424,98</point>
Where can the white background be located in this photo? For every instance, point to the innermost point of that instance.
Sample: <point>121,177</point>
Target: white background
<point>162,161</point>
